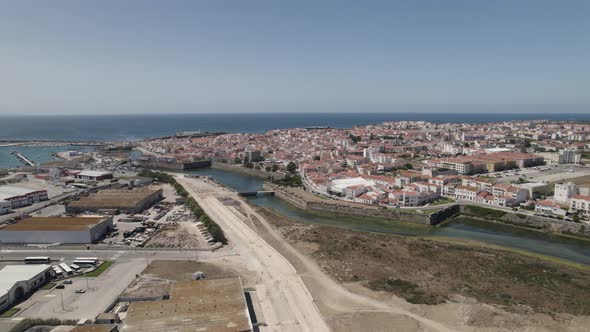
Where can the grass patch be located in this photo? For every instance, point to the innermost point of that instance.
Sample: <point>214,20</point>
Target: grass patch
<point>99,270</point>
<point>49,285</point>
<point>10,312</point>
<point>406,289</point>
<point>479,211</point>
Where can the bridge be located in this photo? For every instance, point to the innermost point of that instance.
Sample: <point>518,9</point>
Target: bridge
<point>257,193</point>
<point>24,159</point>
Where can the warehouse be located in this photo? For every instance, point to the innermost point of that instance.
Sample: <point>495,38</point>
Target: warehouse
<point>94,175</point>
<point>125,200</point>
<point>21,196</point>
<point>57,230</point>
<point>5,207</point>
<point>201,305</point>
<point>19,281</point>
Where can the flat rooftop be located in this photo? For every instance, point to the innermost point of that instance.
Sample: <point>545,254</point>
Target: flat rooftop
<point>213,305</point>
<point>54,224</point>
<point>7,192</point>
<point>11,274</point>
<point>114,198</point>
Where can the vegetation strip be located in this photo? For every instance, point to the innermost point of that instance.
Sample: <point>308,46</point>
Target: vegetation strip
<point>99,270</point>
<point>212,227</point>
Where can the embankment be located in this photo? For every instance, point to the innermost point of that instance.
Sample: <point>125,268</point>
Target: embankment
<point>526,220</point>
<point>262,174</point>
<point>307,201</point>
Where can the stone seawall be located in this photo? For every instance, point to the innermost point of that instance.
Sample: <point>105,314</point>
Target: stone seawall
<point>248,171</point>
<point>310,202</point>
<point>529,221</point>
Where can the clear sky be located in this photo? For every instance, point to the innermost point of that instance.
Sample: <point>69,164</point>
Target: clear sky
<point>84,57</point>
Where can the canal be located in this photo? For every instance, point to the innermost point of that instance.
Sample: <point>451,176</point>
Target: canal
<point>462,228</point>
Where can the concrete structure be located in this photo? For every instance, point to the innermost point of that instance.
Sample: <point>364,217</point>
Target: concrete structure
<point>564,191</point>
<point>199,305</point>
<point>22,196</point>
<point>5,207</point>
<point>56,230</point>
<point>94,175</point>
<point>130,201</point>
<point>19,281</point>
<point>339,186</point>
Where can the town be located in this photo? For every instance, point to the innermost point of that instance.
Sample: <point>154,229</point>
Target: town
<point>516,165</point>
<point>127,236</point>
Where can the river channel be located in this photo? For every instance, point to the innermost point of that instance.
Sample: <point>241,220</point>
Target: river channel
<point>462,228</point>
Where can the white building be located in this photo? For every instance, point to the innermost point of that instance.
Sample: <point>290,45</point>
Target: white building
<point>580,203</point>
<point>569,156</point>
<point>21,196</point>
<point>564,191</point>
<point>338,186</point>
<point>19,281</point>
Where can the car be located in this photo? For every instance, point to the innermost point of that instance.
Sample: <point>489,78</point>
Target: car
<point>60,286</point>
<point>80,291</point>
<point>68,282</point>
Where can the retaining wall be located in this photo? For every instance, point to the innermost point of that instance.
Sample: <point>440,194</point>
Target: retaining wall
<point>307,201</point>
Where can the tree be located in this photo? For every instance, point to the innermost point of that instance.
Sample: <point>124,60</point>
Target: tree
<point>316,157</point>
<point>237,161</point>
<point>274,168</point>
<point>267,168</point>
<point>576,218</point>
<point>408,166</point>
<point>291,167</point>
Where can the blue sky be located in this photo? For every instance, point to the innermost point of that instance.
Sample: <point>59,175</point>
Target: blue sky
<point>84,57</point>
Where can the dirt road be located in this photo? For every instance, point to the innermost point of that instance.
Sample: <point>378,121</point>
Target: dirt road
<point>285,301</point>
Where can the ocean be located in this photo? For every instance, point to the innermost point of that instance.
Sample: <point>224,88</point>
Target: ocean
<point>137,127</point>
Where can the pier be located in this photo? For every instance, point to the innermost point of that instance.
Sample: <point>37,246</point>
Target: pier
<point>24,159</point>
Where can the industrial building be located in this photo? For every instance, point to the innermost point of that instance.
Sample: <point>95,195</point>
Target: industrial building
<point>124,200</point>
<point>5,207</point>
<point>57,230</point>
<point>94,175</point>
<point>19,281</point>
<point>201,305</point>
<point>22,196</point>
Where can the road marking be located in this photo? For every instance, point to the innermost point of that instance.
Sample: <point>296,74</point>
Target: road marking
<point>17,319</point>
<point>115,256</point>
<point>50,295</point>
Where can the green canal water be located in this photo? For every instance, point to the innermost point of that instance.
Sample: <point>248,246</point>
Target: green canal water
<point>463,228</point>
